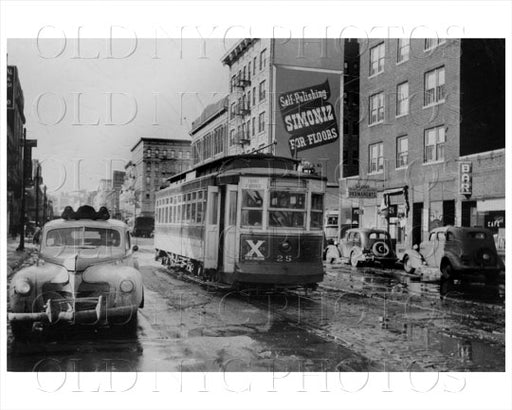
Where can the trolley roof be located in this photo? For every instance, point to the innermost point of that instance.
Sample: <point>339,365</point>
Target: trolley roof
<point>235,162</point>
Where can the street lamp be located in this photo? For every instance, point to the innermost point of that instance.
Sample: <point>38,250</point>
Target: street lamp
<point>21,246</point>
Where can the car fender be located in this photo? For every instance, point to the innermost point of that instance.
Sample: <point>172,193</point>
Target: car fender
<point>114,275</point>
<point>36,276</point>
<point>414,256</point>
<point>454,261</point>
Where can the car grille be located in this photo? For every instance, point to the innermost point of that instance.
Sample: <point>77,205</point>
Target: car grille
<point>87,294</point>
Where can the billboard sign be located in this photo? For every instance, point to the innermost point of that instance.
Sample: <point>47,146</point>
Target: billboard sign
<point>309,118</point>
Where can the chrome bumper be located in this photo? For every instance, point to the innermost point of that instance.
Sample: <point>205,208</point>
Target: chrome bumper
<point>90,316</point>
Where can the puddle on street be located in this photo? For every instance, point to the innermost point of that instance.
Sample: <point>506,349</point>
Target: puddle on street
<point>373,281</point>
<point>294,349</point>
<point>468,354</point>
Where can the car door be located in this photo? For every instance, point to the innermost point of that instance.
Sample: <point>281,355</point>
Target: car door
<point>427,248</point>
<point>439,248</point>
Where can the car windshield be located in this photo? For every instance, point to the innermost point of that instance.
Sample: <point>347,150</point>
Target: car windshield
<point>83,237</point>
<point>378,235</point>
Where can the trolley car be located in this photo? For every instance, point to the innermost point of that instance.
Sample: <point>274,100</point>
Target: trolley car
<point>244,221</point>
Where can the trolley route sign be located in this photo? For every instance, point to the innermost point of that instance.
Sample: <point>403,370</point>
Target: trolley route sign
<point>309,117</point>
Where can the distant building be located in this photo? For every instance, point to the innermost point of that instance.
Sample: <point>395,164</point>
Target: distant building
<point>432,141</point>
<point>208,133</point>
<point>15,123</point>
<point>117,184</point>
<point>154,160</point>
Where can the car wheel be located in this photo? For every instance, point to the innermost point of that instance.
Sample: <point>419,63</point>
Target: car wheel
<point>353,259</point>
<point>446,284</point>
<point>447,272</point>
<point>408,265</point>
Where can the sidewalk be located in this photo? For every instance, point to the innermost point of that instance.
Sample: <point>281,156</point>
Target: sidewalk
<point>16,259</point>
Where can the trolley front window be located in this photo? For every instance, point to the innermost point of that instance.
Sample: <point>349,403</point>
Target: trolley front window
<point>287,209</point>
<point>317,211</point>
<point>252,208</point>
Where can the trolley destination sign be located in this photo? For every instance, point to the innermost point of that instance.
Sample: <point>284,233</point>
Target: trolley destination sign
<point>309,117</point>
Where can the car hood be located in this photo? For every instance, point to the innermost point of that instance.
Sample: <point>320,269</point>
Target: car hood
<point>76,259</point>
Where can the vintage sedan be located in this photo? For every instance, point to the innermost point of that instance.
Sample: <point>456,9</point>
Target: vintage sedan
<point>86,273</point>
<point>457,253</point>
<point>367,245</point>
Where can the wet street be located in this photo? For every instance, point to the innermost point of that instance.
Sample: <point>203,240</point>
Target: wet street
<point>359,319</point>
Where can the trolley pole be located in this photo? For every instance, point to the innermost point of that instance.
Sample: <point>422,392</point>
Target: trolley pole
<point>21,246</point>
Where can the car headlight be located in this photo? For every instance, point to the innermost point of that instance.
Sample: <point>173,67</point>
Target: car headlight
<point>126,286</point>
<point>22,287</point>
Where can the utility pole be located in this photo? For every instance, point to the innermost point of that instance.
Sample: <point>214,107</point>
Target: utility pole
<point>21,246</point>
<point>45,204</point>
<point>36,187</point>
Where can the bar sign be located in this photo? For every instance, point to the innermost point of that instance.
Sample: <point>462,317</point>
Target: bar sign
<point>466,178</point>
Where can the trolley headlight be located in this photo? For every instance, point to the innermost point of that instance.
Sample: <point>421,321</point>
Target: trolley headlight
<point>126,286</point>
<point>22,287</point>
<point>285,246</point>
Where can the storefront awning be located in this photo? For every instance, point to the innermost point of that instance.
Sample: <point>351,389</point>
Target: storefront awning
<point>491,205</point>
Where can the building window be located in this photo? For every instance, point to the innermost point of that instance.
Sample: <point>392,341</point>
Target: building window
<point>262,90</point>
<point>431,43</point>
<point>403,50</point>
<point>402,150</point>
<point>377,59</point>
<point>434,144</point>
<point>263,59</point>
<point>253,96</point>
<point>248,130</point>
<point>402,99</point>
<point>254,66</point>
<point>249,71</point>
<point>376,108</point>
<point>232,111</point>
<point>434,86</point>
<point>244,75</point>
<point>172,153</point>
<point>253,126</point>
<point>164,153</point>
<point>232,137</point>
<point>148,153</point>
<point>261,122</point>
<point>249,99</point>
<point>180,154</point>
<point>375,158</point>
<point>187,155</point>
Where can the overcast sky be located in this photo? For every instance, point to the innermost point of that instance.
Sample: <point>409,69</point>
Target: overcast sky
<point>156,87</point>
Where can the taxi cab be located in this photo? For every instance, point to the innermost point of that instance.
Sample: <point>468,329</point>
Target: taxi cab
<point>86,273</point>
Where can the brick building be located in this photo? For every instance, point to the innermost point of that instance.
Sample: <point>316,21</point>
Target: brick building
<point>15,124</point>
<point>431,139</point>
<point>154,160</point>
<point>208,133</point>
<point>263,70</point>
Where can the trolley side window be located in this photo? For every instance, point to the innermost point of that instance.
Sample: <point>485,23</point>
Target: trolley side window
<point>232,207</point>
<point>287,209</point>
<point>252,208</point>
<point>317,211</point>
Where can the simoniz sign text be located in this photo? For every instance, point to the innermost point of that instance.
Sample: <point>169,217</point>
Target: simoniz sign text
<point>309,117</point>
